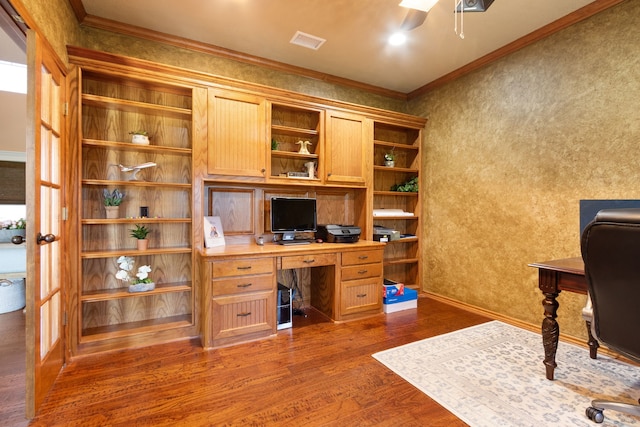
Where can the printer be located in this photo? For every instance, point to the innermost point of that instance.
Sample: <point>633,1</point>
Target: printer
<point>333,233</point>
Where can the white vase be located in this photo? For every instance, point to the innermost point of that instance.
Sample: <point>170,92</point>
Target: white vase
<point>140,139</point>
<point>389,163</point>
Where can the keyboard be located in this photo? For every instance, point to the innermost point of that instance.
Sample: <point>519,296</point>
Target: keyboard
<point>295,242</point>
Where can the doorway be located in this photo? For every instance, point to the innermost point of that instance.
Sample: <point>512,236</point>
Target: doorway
<point>13,119</point>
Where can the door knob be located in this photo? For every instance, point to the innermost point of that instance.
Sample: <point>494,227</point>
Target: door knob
<point>47,238</point>
<point>17,240</point>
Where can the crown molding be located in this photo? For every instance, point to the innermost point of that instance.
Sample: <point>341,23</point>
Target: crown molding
<point>117,27</point>
<point>541,33</point>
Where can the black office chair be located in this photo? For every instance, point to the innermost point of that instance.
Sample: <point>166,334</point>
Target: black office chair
<point>611,254</point>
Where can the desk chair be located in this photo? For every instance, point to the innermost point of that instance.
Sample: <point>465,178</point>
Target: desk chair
<point>611,253</point>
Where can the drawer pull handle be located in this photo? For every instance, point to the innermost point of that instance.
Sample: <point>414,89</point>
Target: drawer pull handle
<point>248,267</point>
<point>245,285</point>
<point>244,314</point>
<point>361,295</point>
<point>363,257</point>
<point>309,261</point>
<point>362,271</point>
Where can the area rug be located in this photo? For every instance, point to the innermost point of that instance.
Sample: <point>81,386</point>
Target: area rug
<point>492,375</point>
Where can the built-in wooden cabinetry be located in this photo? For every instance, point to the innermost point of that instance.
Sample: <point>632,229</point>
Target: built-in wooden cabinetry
<point>289,126</point>
<point>112,106</point>
<point>401,262</point>
<point>237,143</point>
<point>348,148</point>
<point>225,148</point>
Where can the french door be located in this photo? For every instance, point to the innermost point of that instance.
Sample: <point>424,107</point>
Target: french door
<point>44,184</point>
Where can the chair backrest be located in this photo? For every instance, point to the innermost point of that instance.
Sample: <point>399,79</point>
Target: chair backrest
<point>611,254</point>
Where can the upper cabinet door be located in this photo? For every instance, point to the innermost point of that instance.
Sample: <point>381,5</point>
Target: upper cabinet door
<point>348,144</point>
<point>237,144</point>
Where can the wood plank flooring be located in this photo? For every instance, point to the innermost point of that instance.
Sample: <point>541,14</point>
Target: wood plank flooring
<point>317,373</point>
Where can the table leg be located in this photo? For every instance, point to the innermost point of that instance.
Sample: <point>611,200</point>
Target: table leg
<point>550,331</point>
<point>593,343</point>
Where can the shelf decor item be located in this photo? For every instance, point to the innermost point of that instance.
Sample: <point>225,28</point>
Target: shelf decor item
<point>389,159</point>
<point>303,147</point>
<point>410,186</point>
<point>112,201</point>
<point>138,283</point>
<point>140,137</point>
<point>8,229</point>
<point>140,233</point>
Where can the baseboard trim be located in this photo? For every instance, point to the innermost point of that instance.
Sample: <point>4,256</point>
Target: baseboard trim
<point>521,324</point>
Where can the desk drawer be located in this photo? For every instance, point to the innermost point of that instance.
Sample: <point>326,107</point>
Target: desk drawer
<point>361,271</point>
<point>362,257</point>
<point>239,285</point>
<point>237,317</point>
<point>360,295</point>
<point>242,267</point>
<point>311,260</point>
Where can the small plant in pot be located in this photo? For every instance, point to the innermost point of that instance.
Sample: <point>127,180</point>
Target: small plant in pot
<point>140,233</point>
<point>390,158</point>
<point>139,137</point>
<point>112,201</point>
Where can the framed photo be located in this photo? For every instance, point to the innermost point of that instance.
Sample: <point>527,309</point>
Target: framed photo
<point>213,234</point>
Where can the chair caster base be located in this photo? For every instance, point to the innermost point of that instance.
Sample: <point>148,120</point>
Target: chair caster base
<point>594,414</point>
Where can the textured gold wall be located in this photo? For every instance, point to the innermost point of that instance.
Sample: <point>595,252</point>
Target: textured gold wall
<point>511,149</point>
<point>55,20</point>
<point>143,49</point>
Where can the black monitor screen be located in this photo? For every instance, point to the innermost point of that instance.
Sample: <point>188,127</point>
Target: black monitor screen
<point>293,214</point>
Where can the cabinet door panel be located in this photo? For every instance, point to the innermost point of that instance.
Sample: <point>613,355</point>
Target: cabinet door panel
<point>348,148</point>
<point>237,134</point>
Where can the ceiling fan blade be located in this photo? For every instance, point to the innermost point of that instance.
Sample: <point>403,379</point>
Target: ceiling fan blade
<point>413,19</point>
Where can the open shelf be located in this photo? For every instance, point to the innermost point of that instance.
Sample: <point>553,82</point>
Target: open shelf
<point>113,106</point>
<point>109,294</point>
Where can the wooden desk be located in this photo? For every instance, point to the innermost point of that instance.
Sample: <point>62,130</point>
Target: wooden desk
<point>239,285</point>
<point>555,276</point>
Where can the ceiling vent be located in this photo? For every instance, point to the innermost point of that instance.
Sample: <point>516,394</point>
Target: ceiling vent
<point>307,40</point>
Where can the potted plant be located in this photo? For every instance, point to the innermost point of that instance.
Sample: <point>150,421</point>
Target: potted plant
<point>10,228</point>
<point>389,159</point>
<point>140,137</point>
<point>140,233</point>
<point>141,282</point>
<point>112,201</point>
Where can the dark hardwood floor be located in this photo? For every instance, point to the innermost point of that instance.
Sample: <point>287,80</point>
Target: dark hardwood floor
<point>317,373</point>
<point>12,369</point>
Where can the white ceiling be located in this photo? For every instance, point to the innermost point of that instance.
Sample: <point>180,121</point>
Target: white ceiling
<point>356,32</point>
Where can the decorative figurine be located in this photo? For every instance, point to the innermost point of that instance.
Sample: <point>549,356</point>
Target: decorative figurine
<point>303,147</point>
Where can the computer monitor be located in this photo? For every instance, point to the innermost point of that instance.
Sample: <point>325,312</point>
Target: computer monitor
<point>291,215</point>
<point>590,207</point>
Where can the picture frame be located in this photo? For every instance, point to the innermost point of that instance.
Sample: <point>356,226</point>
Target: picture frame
<point>213,232</point>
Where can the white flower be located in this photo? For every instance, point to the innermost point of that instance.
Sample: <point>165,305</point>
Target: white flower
<point>122,275</point>
<point>143,272</point>
<point>126,264</point>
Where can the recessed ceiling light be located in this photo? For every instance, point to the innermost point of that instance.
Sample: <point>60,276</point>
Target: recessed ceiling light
<point>307,40</point>
<point>397,39</point>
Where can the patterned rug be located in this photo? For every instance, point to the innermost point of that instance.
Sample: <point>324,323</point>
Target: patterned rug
<point>492,375</point>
